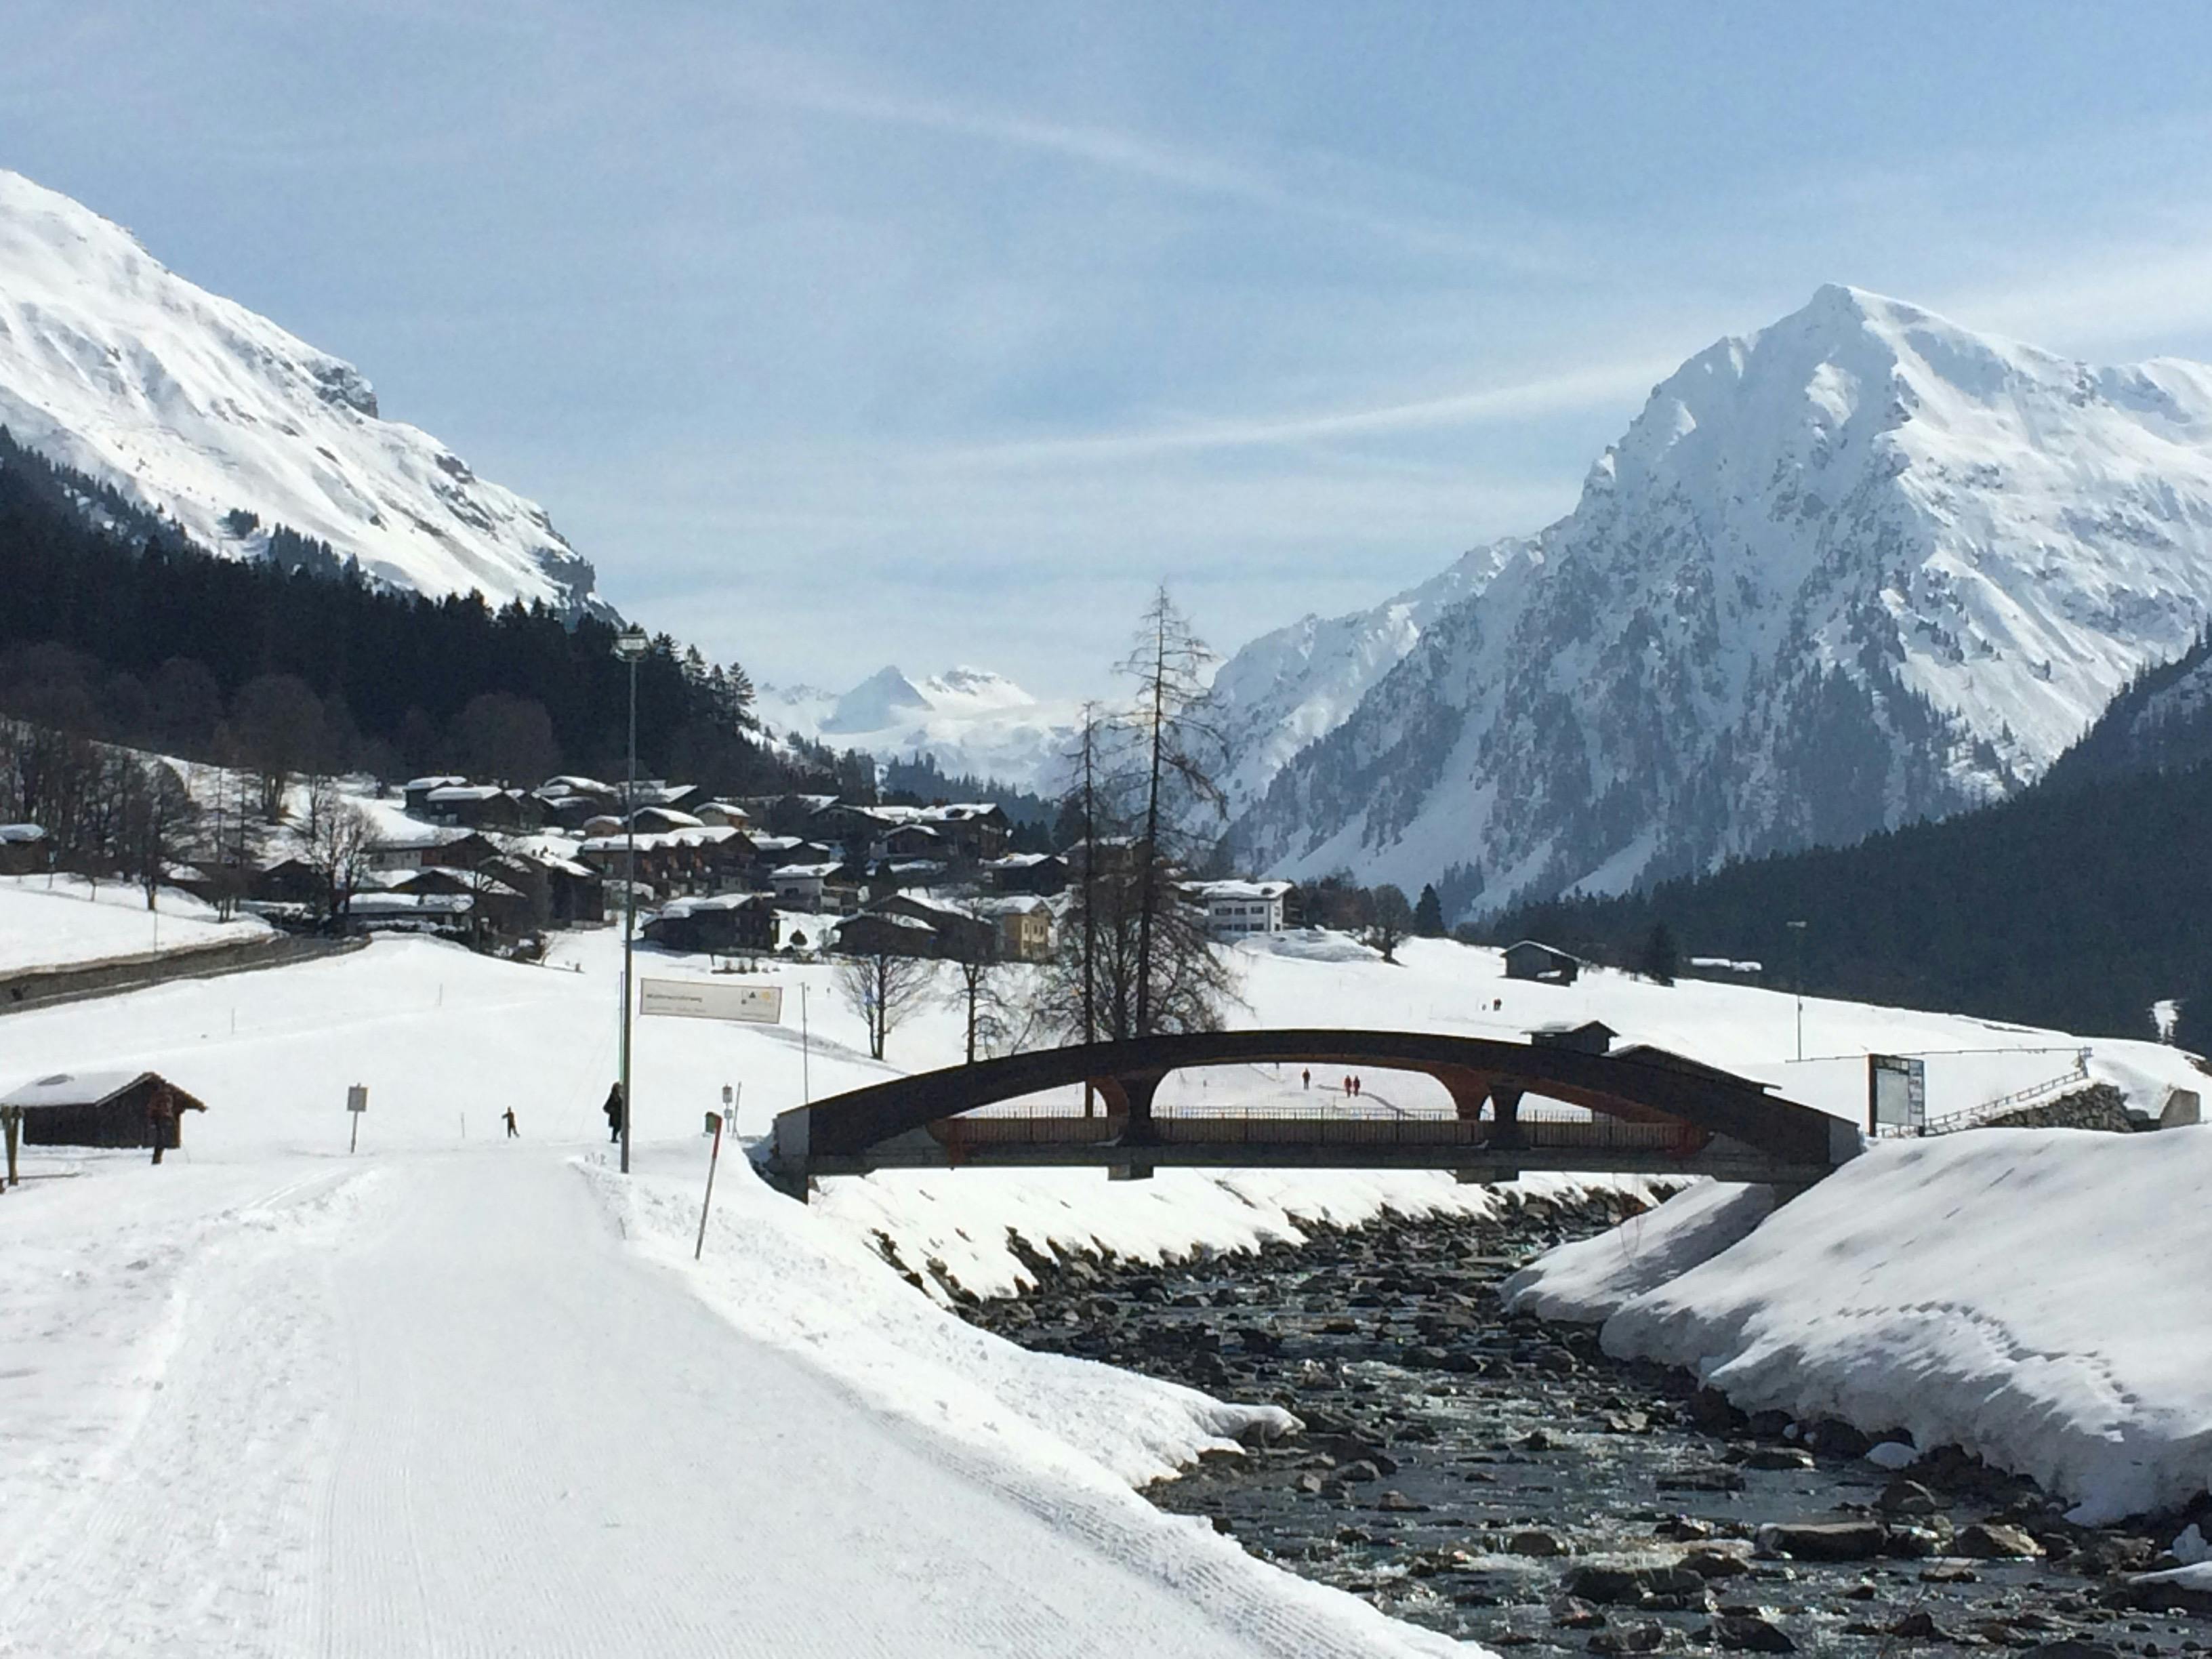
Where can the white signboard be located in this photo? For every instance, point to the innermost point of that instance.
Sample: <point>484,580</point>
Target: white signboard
<point>1897,1091</point>
<point>705,999</point>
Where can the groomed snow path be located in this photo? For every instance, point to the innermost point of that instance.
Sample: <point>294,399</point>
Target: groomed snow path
<point>443,1411</point>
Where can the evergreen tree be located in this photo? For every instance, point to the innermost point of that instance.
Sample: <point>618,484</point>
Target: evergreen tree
<point>1659,962</point>
<point>1429,914</point>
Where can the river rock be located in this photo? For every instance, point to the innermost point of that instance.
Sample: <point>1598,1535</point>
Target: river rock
<point>1917,1625</point>
<point>1777,1457</point>
<point>1608,1585</point>
<point>1647,1637</point>
<point>1824,1540</point>
<point>1710,1411</point>
<point>1534,1541</point>
<point>1907,1498</point>
<point>2070,1650</point>
<point>1716,1562</point>
<point>1398,1504</point>
<point>1832,1438</point>
<point>1747,1632</point>
<point>1992,1540</point>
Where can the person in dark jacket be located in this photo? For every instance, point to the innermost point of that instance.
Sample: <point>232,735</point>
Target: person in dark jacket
<point>161,1118</point>
<point>508,1115</point>
<point>614,1111</point>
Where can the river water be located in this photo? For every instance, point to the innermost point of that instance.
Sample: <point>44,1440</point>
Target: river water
<point>1502,1481</point>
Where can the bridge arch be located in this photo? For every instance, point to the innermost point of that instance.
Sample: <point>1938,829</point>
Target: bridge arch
<point>1699,1119</point>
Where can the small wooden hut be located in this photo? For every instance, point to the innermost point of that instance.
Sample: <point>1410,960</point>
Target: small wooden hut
<point>95,1108</point>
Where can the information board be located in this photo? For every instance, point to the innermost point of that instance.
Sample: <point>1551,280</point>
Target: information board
<point>705,999</point>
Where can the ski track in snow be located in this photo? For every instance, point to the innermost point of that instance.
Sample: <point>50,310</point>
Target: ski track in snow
<point>449,1412</point>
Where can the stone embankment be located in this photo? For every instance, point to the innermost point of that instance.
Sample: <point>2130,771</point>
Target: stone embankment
<point>1504,1481</point>
<point>42,987</point>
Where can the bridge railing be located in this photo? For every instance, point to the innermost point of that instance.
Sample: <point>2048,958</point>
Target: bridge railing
<point>1264,1125</point>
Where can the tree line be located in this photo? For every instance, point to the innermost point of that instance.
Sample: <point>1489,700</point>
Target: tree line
<point>117,627</point>
<point>2076,904</point>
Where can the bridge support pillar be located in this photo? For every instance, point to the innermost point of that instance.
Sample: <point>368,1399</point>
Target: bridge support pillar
<point>1505,1102</point>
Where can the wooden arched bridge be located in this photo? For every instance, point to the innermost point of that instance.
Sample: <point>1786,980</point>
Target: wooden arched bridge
<point>1637,1111</point>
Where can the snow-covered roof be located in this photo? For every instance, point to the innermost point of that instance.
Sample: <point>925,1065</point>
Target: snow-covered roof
<point>690,906</point>
<point>1225,891</point>
<point>806,872</point>
<point>705,834</point>
<point>414,784</point>
<point>72,1089</point>
<point>674,820</point>
<point>465,791</point>
<point>569,783</point>
<point>1021,860</point>
<point>420,840</point>
<point>914,924</point>
<point>23,833</point>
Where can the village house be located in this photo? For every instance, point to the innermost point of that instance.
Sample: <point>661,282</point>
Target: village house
<point>1024,928</point>
<point>1240,909</point>
<point>416,791</point>
<point>1041,874</point>
<point>724,924</point>
<point>482,806</point>
<point>459,849</point>
<point>804,886</point>
<point>873,932</point>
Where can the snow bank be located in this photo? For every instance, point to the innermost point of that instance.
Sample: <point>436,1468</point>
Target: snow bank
<point>53,922</point>
<point>1067,1438</point>
<point>2037,1297</point>
<point>1590,1280</point>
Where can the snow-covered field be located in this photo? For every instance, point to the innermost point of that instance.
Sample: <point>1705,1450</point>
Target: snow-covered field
<point>51,921</point>
<point>455,1392</point>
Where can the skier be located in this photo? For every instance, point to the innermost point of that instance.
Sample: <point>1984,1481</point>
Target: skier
<point>512,1132</point>
<point>614,1111</point>
<point>161,1118</point>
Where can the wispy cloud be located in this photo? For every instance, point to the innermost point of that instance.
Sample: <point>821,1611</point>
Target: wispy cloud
<point>802,83</point>
<point>1593,387</point>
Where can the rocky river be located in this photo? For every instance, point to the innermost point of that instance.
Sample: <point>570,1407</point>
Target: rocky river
<point>1501,1479</point>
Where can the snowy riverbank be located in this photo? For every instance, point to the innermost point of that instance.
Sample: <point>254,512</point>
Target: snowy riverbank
<point>2036,1296</point>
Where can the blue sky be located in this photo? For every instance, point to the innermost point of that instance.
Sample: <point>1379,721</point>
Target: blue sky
<point>842,335</point>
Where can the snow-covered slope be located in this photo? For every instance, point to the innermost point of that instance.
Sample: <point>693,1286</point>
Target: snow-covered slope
<point>972,721</point>
<point>1296,684</point>
<point>1862,566</point>
<point>195,407</point>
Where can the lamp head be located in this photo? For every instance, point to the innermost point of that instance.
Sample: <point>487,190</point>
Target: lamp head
<point>631,644</point>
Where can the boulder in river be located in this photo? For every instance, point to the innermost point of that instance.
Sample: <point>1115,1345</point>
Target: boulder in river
<point>1902,1497</point>
<point>1747,1632</point>
<point>1824,1540</point>
<point>1992,1540</point>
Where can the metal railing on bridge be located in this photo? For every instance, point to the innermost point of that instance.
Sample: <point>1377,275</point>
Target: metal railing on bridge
<point>1290,1125</point>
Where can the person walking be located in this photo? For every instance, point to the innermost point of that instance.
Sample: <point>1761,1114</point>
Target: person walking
<point>615,1111</point>
<point>1355,1086</point>
<point>161,1118</point>
<point>512,1132</point>
<point>1306,1078</point>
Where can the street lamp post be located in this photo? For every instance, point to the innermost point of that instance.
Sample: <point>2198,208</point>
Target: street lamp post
<point>630,646</point>
<point>1798,928</point>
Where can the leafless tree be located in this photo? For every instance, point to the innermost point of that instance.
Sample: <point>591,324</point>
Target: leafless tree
<point>1179,751</point>
<point>883,990</point>
<point>500,738</point>
<point>1391,920</point>
<point>971,941</point>
<point>335,843</point>
<point>277,723</point>
<point>158,820</point>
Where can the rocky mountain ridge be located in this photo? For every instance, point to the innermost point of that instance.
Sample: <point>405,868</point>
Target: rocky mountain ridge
<point>1863,567</point>
<point>192,406</point>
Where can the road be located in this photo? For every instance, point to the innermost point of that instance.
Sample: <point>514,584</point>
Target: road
<point>444,1411</point>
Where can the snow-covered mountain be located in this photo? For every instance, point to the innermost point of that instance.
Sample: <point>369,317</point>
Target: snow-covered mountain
<point>972,721</point>
<point>1863,566</point>
<point>1292,687</point>
<point>195,407</point>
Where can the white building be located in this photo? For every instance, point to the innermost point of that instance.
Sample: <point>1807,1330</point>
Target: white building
<point>1238,909</point>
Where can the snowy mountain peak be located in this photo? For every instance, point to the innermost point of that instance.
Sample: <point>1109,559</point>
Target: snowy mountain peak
<point>1861,566</point>
<point>197,407</point>
<point>876,703</point>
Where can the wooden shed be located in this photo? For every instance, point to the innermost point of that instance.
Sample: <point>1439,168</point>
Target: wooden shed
<point>1529,959</point>
<point>95,1108</point>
